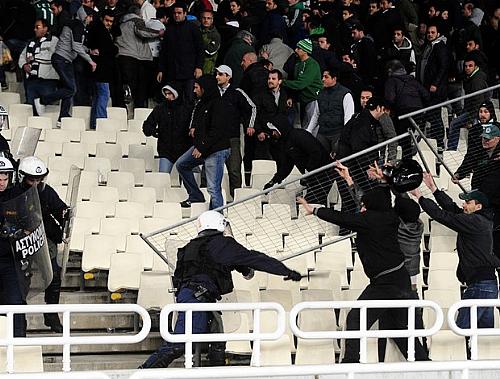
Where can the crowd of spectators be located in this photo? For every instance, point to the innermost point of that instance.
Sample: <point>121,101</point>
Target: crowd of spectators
<point>269,65</point>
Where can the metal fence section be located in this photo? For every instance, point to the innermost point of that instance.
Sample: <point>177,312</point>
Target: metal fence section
<point>270,220</point>
<point>58,375</point>
<point>66,340</point>
<point>363,334</point>
<point>473,332</point>
<point>188,338</point>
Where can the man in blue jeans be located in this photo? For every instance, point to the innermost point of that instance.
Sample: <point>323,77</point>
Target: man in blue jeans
<point>70,46</point>
<point>476,260</point>
<point>211,144</point>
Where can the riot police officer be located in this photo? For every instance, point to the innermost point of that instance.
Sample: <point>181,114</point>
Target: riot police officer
<point>203,274</point>
<point>12,293</point>
<point>32,172</point>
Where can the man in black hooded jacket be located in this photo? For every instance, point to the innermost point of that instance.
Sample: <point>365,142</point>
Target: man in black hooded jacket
<point>476,261</point>
<point>383,262</point>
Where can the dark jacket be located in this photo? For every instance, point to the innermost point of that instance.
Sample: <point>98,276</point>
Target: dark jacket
<point>475,82</point>
<point>358,134</point>
<point>238,109</point>
<point>433,68</point>
<point>223,255</point>
<point>233,58</point>
<point>474,150</point>
<point>208,119</point>
<point>377,236</point>
<point>366,55</point>
<point>299,148</point>
<point>331,110</point>
<point>100,38</point>
<point>181,51</point>
<point>169,123</point>
<point>254,80</point>
<point>405,94</point>
<point>10,193</point>
<point>272,25</point>
<point>269,111</point>
<point>474,239</point>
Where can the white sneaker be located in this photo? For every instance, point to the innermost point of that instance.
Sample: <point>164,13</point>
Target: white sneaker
<point>58,124</point>
<point>40,108</point>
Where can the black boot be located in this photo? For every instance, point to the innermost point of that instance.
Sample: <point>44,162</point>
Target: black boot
<point>52,321</point>
<point>162,361</point>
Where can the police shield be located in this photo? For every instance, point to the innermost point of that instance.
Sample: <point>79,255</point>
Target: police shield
<point>23,226</point>
<point>4,118</point>
<point>24,142</point>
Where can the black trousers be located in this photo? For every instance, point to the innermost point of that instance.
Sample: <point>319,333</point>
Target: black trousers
<point>134,73</point>
<point>393,286</point>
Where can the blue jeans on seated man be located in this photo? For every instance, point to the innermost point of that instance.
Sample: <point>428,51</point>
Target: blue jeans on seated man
<point>100,98</point>
<point>36,88</point>
<point>454,131</point>
<point>166,165</point>
<point>214,169</point>
<point>200,325</point>
<point>485,289</point>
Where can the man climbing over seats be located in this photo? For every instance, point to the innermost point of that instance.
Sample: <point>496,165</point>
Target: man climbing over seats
<point>376,225</point>
<point>476,260</point>
<point>203,274</point>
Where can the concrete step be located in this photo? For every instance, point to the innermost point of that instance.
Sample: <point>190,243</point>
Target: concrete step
<point>150,344</point>
<point>72,280</point>
<point>97,362</point>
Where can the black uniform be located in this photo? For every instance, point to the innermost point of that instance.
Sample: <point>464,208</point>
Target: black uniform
<point>383,263</point>
<point>203,274</point>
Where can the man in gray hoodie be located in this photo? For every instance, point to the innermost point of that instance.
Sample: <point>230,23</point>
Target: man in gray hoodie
<point>69,46</point>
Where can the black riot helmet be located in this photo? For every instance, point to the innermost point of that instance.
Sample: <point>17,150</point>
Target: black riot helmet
<point>404,176</point>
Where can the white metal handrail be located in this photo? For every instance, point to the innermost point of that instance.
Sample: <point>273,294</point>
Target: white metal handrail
<point>473,332</point>
<point>363,334</point>
<point>189,337</point>
<point>66,340</point>
<point>57,375</point>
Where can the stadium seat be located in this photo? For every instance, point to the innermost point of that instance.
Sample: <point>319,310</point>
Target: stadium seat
<point>9,98</point>
<point>359,280</point>
<point>168,211</point>
<point>117,113</point>
<point>122,181</point>
<point>129,138</point>
<point>154,290</point>
<point>143,152</point>
<point>48,149</point>
<point>90,139</point>
<point>442,244</point>
<point>101,165</point>
<point>153,142</point>
<point>64,164</point>
<point>343,247</point>
<point>239,347</point>
<point>443,280</point>
<point>111,125</point>
<point>444,298</point>
<point>151,224</point>
<point>73,123</point>
<point>74,149</point>
<point>136,166</point>
<point>175,195</point>
<point>276,353</point>
<point>38,122</point>
<point>140,114</point>
<point>61,191</point>
<point>443,261</point>
<point>333,262</point>
<point>111,151</point>
<point>19,114</point>
<point>27,359</point>
<point>144,195</point>
<point>107,195</point>
<point>62,135</point>
<point>198,208</point>
<point>88,180</point>
<point>488,347</point>
<point>159,181</point>
<point>136,245</point>
<point>130,209</point>
<point>124,272</point>
<point>119,228</point>
<point>89,209</point>
<point>447,346</point>
<point>97,252</point>
<point>438,229</point>
<point>135,126</point>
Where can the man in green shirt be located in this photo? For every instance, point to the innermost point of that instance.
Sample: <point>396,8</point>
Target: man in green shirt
<point>307,81</point>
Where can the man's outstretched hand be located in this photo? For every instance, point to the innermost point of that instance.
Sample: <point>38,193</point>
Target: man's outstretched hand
<point>294,276</point>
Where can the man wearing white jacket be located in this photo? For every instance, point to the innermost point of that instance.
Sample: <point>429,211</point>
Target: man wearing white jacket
<point>35,60</point>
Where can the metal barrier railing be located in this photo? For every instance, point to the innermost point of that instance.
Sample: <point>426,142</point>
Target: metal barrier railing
<point>188,338</point>
<point>363,334</point>
<point>57,375</point>
<point>66,340</point>
<point>473,332</point>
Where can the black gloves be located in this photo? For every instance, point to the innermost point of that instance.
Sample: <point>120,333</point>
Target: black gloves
<point>294,276</point>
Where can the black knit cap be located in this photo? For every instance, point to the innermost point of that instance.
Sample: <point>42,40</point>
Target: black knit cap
<point>489,105</point>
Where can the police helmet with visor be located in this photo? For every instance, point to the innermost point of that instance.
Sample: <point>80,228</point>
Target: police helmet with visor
<point>32,168</point>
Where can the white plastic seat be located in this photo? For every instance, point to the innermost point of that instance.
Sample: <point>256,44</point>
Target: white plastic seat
<point>136,245</point>
<point>125,272</point>
<point>73,123</point>
<point>135,126</point>
<point>39,122</point>
<point>159,181</point>
<point>438,229</point>
<point>263,167</point>
<point>359,280</point>
<point>81,227</point>
<point>171,212</point>
<point>88,180</point>
<point>130,209</point>
<point>48,149</point>
<point>129,138</point>
<point>90,138</point>
<point>64,164</point>
<point>444,298</point>
<point>443,261</point>
<point>333,262</point>
<point>442,244</point>
<point>19,114</point>
<point>74,149</point>
<point>101,165</point>
<point>142,113</point>
<point>151,224</point>
<point>443,280</point>
<point>27,359</point>
<point>119,228</point>
<point>97,252</point>
<point>275,353</point>
<point>145,196</point>
<point>62,135</point>
<point>135,166</point>
<point>89,209</point>
<point>447,346</point>
<point>122,181</point>
<point>143,152</point>
<point>154,290</point>
<point>82,112</point>
<point>175,195</point>
<point>117,113</point>
<point>111,151</point>
<point>9,98</point>
<point>110,125</point>
<point>107,195</point>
